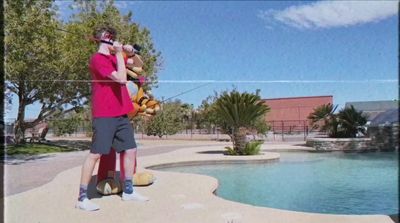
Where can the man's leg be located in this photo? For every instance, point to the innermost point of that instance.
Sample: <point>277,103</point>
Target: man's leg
<point>88,167</point>
<point>124,142</point>
<point>86,175</point>
<point>121,166</point>
<point>129,159</point>
<point>103,134</point>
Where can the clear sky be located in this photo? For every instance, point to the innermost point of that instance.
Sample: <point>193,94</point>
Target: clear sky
<point>287,49</point>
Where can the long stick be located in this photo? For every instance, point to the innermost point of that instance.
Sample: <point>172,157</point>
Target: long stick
<point>185,92</point>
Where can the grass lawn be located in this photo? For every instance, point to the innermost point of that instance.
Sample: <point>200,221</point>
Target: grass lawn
<point>33,149</point>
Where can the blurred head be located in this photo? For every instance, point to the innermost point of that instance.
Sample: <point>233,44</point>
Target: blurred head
<point>105,35</point>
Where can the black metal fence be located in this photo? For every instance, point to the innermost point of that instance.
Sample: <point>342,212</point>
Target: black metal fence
<point>282,130</point>
<point>289,129</point>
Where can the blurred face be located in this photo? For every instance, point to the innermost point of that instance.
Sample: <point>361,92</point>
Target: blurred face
<point>107,38</point>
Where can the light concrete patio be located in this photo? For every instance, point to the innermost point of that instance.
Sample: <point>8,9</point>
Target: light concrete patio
<point>175,197</point>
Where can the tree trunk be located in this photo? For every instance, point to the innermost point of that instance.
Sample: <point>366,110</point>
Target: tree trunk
<point>19,129</point>
<point>19,132</point>
<point>239,140</point>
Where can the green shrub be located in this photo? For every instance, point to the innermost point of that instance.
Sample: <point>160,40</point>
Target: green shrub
<point>231,151</point>
<point>251,148</point>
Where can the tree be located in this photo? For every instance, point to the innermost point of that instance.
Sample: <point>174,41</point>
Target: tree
<point>237,113</point>
<point>93,14</point>
<point>206,117</point>
<point>260,126</point>
<point>345,124</point>
<point>188,115</point>
<point>30,37</point>
<point>352,122</point>
<point>324,119</point>
<point>65,125</point>
<point>170,120</point>
<point>47,66</point>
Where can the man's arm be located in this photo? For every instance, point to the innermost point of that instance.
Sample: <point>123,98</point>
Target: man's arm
<point>119,75</point>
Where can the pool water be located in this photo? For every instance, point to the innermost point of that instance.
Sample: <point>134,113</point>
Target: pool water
<point>334,183</point>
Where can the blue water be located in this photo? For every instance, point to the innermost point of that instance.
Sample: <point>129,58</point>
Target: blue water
<point>335,183</point>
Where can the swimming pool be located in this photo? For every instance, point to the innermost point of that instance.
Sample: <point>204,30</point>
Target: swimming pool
<point>334,183</point>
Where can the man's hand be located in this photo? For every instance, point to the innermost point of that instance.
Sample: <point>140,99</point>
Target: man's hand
<point>117,47</point>
<point>120,74</point>
<point>129,50</point>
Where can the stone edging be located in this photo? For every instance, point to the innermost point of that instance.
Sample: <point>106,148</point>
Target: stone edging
<point>211,162</point>
<point>339,144</point>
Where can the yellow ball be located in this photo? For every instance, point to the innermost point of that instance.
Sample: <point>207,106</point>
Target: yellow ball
<point>143,179</point>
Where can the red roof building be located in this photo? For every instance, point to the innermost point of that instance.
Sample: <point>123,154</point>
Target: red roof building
<point>290,114</point>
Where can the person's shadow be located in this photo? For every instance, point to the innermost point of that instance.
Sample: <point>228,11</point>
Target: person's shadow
<point>92,191</point>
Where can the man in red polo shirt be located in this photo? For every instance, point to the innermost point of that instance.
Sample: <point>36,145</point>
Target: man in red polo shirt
<point>110,106</point>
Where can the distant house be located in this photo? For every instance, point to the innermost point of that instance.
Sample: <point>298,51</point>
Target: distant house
<point>290,114</point>
<point>384,130</point>
<point>373,108</point>
<point>389,117</point>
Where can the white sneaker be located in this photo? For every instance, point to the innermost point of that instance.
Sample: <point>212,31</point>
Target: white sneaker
<point>135,196</point>
<point>87,205</point>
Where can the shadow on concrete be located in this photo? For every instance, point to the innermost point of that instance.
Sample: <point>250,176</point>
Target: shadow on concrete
<point>395,218</point>
<point>301,144</point>
<point>213,152</point>
<point>73,145</point>
<point>92,191</point>
<point>20,159</point>
<point>66,145</point>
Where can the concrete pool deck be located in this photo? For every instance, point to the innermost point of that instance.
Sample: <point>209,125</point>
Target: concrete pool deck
<point>175,197</point>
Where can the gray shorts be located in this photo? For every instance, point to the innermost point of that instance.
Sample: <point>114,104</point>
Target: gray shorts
<point>115,132</point>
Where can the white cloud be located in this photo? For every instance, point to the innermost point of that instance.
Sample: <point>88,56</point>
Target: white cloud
<point>327,14</point>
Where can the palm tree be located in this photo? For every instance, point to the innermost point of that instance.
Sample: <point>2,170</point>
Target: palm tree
<point>323,118</point>
<point>236,113</point>
<point>346,124</point>
<point>351,121</point>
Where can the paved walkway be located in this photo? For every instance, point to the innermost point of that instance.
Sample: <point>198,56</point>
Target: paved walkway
<point>175,197</point>
<point>28,172</point>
